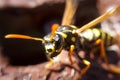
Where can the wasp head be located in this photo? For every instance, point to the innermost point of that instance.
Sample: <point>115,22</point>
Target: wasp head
<point>53,47</point>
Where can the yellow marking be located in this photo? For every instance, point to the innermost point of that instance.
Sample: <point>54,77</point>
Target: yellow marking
<point>84,70</point>
<point>103,35</point>
<point>74,31</point>
<point>86,62</point>
<point>73,39</point>
<point>96,32</point>
<point>98,42</point>
<point>73,26</point>
<point>88,34</point>
<point>50,47</point>
<point>72,47</point>
<point>63,35</point>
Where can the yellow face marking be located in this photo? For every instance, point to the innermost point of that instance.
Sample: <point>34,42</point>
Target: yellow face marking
<point>96,32</point>
<point>50,47</point>
<point>73,39</point>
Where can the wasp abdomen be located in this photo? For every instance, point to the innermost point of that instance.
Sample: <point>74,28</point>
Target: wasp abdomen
<point>90,36</point>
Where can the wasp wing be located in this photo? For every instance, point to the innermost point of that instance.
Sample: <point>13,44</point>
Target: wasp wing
<point>99,19</point>
<point>70,9</point>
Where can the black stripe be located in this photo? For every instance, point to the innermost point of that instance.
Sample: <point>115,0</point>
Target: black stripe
<point>111,40</point>
<point>106,40</point>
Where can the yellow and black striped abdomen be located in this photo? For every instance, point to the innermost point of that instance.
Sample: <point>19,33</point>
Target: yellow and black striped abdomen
<point>90,36</point>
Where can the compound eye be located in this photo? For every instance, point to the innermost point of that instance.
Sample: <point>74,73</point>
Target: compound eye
<point>58,42</point>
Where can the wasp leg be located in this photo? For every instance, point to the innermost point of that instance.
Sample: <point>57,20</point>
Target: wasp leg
<point>102,49</point>
<point>103,55</point>
<point>83,71</point>
<point>49,64</point>
<point>72,47</point>
<point>85,62</point>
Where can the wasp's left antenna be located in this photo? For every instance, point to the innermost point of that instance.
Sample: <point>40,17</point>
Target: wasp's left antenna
<point>23,37</point>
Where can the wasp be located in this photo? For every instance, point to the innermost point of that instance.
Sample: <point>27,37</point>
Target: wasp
<point>74,39</point>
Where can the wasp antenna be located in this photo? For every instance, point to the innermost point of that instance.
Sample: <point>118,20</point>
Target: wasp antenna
<point>99,19</point>
<point>18,36</point>
<point>70,9</point>
<point>22,37</point>
<point>54,28</point>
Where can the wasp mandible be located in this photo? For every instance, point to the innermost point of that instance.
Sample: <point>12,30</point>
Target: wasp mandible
<point>73,39</point>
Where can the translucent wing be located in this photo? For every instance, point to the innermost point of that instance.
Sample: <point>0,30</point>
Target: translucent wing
<point>23,37</point>
<point>70,9</point>
<point>99,19</point>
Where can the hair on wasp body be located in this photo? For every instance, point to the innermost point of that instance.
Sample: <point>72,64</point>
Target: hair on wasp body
<point>75,39</point>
